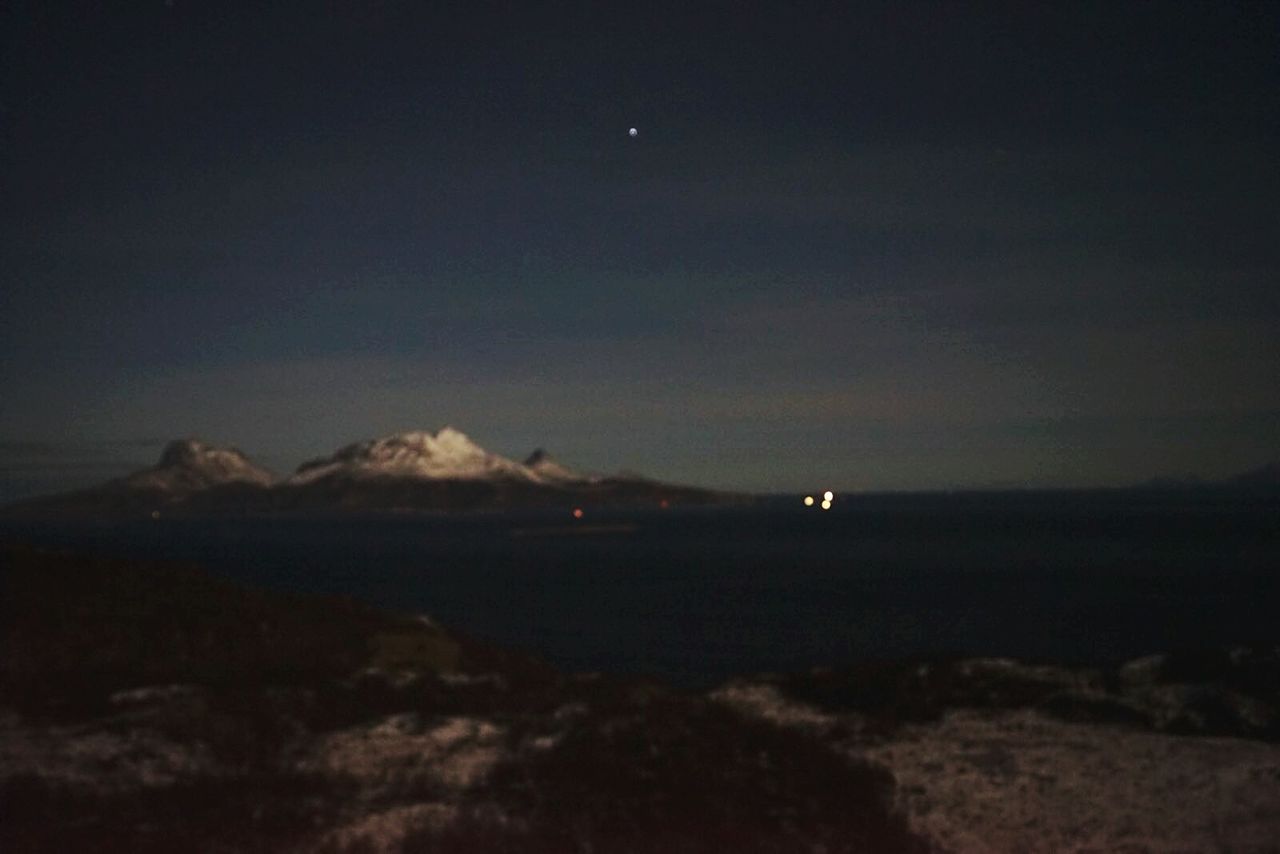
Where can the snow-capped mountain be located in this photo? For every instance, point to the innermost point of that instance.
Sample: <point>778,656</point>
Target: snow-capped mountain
<point>448,454</point>
<point>189,465</point>
<point>413,471</point>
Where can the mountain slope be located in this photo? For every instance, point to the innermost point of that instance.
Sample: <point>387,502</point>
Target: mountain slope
<point>447,454</point>
<point>189,465</point>
<point>412,471</point>
<point>1265,478</point>
<point>549,470</point>
<point>189,473</point>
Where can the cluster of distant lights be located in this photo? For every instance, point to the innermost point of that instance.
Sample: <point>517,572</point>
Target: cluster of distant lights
<point>578,512</point>
<point>827,498</point>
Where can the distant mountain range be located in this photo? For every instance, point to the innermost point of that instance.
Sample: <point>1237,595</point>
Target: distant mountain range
<point>1264,477</point>
<point>419,470</point>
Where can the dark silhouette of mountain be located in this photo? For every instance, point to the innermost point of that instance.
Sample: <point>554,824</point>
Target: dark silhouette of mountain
<point>1265,478</point>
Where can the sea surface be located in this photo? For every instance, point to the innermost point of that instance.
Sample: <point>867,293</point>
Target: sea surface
<point>697,595</point>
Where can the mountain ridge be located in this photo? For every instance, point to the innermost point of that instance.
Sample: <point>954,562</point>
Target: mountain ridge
<point>447,453</point>
<point>408,471</point>
<point>190,464</point>
<point>1266,476</point>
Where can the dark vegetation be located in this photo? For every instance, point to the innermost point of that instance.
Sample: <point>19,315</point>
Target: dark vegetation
<point>1221,692</point>
<point>246,683</point>
<point>250,681</point>
<point>257,811</point>
<point>76,627</point>
<point>653,771</point>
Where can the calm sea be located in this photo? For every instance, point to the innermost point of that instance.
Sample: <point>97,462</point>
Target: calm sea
<point>698,595</point>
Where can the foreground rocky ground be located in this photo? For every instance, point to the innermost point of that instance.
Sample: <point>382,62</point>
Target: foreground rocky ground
<point>150,708</point>
<point>1169,753</point>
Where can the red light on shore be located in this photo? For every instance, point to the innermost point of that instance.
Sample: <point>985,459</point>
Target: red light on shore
<point>664,504</point>
<point>577,512</point>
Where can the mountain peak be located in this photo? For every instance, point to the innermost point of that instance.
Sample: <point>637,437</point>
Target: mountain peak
<point>415,469</point>
<point>446,454</point>
<point>191,464</point>
<point>548,469</point>
<point>188,452</point>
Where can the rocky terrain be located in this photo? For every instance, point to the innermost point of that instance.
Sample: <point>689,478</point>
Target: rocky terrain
<point>147,707</point>
<point>1177,752</point>
<point>151,708</point>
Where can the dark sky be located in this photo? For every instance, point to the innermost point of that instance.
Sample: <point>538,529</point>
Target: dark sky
<point>879,246</point>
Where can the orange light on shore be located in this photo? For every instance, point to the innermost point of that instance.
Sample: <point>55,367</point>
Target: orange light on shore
<point>577,512</point>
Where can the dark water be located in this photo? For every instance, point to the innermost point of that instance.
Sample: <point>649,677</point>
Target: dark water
<point>698,595</point>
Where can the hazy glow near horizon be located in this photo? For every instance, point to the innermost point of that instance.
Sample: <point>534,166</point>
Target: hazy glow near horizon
<point>775,289</point>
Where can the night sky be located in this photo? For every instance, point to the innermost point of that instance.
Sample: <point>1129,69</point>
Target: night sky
<point>875,246</point>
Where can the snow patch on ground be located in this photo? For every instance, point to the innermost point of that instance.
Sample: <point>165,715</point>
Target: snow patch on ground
<point>455,753</point>
<point>1018,781</point>
<point>97,760</point>
<point>385,831</point>
<point>762,700</point>
<point>544,743</point>
<point>1178,703</point>
<point>405,753</point>
<point>999,781</point>
<point>151,694</point>
<point>1142,670</point>
<point>398,678</point>
<point>493,680</point>
<point>1078,681</point>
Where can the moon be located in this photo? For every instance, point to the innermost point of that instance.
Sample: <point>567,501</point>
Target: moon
<point>633,132</point>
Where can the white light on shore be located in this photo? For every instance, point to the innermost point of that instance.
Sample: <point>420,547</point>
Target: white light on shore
<point>828,495</point>
<point>826,505</point>
<point>808,501</point>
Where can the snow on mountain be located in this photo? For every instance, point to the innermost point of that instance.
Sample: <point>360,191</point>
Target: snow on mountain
<point>547,469</point>
<point>445,455</point>
<point>188,465</point>
<point>419,470</point>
